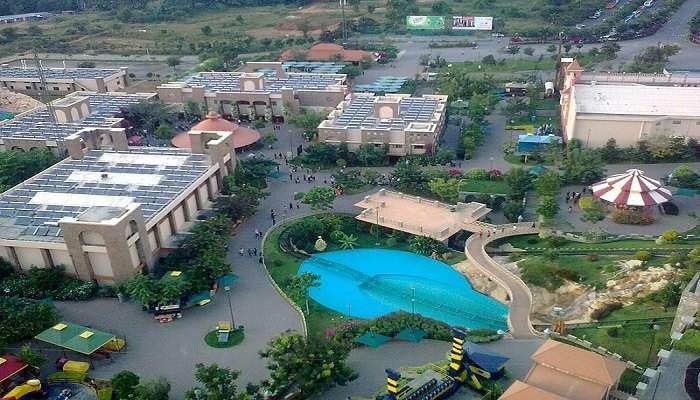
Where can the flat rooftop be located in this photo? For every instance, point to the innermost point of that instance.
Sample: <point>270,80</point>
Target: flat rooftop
<point>97,187</point>
<point>230,81</point>
<point>358,112</point>
<point>37,123</point>
<point>9,73</point>
<point>638,100</point>
<point>417,215</point>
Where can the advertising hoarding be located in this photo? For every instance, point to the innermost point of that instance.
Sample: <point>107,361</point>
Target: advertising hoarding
<point>472,23</point>
<point>425,22</point>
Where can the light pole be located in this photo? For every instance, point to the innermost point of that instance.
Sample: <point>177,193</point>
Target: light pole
<point>376,227</point>
<point>230,307</point>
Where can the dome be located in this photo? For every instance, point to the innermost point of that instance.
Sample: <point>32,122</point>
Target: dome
<point>214,123</point>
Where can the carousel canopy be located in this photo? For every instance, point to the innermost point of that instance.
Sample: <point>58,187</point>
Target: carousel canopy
<point>632,189</point>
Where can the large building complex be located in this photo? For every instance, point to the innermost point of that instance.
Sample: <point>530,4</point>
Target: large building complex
<point>262,90</point>
<point>596,107</point>
<point>61,81</point>
<point>403,124</point>
<point>106,214</point>
<point>74,118</point>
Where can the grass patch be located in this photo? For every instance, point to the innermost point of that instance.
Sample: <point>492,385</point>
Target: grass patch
<point>104,394</point>
<point>690,342</point>
<point>484,186</point>
<point>234,338</point>
<point>507,65</point>
<point>553,273</point>
<point>633,340</point>
<point>528,242</point>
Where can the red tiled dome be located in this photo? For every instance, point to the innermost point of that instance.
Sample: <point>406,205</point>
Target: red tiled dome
<point>214,123</point>
<point>242,137</point>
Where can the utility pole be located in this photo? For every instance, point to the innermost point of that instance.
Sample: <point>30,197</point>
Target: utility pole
<point>342,10</point>
<point>43,89</point>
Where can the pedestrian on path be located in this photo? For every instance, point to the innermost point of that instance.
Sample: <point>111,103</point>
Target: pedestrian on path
<point>241,251</point>
<point>255,251</point>
<point>290,177</point>
<point>291,206</point>
<point>260,259</point>
<point>570,208</point>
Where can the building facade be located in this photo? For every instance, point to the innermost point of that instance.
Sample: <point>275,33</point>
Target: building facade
<point>261,90</point>
<point>627,107</point>
<point>399,122</point>
<point>62,81</point>
<point>107,214</point>
<point>71,118</point>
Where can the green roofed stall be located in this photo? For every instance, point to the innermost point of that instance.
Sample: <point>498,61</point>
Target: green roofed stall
<point>75,337</point>
<point>410,334</point>
<point>372,339</point>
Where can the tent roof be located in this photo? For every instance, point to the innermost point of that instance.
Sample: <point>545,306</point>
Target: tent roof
<point>484,358</point>
<point>372,339</point>
<point>75,337</point>
<point>411,334</point>
<point>631,188</point>
<point>9,366</point>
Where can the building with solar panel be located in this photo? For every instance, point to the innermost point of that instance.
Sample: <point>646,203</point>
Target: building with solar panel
<point>62,81</point>
<point>261,90</point>
<point>106,214</point>
<point>84,116</point>
<point>399,122</point>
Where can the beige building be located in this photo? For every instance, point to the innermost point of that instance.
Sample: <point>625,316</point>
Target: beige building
<point>261,90</point>
<point>62,81</point>
<point>564,372</point>
<point>628,107</point>
<point>404,124</point>
<point>73,117</point>
<point>107,214</point>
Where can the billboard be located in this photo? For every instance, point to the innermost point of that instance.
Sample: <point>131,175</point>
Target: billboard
<point>472,23</point>
<point>425,22</point>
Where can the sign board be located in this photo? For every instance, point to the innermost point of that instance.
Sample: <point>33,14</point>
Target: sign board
<point>433,22</point>
<point>472,23</point>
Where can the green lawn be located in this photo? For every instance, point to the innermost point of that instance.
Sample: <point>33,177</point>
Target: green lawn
<point>552,273</point>
<point>283,265</point>
<point>485,186</point>
<point>508,65</point>
<point>633,341</point>
<point>526,242</point>
<point>234,338</point>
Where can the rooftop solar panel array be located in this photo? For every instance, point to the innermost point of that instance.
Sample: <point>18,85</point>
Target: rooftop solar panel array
<point>38,124</point>
<point>230,82</point>
<point>8,73</point>
<point>360,113</point>
<point>316,67</point>
<point>41,219</point>
<point>386,84</point>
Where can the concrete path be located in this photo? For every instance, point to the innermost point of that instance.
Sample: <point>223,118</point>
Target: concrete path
<point>521,298</point>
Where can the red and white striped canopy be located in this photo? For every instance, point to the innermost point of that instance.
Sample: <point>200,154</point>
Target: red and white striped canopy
<point>632,189</point>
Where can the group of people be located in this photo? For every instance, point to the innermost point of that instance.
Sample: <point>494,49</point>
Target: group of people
<point>574,197</point>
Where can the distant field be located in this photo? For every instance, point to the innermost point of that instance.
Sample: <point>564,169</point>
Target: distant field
<point>101,32</point>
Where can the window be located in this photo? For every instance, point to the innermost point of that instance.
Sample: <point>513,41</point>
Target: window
<point>56,88</point>
<point>83,89</point>
<point>658,124</point>
<point>28,87</point>
<point>397,146</point>
<point>676,122</point>
<point>418,146</point>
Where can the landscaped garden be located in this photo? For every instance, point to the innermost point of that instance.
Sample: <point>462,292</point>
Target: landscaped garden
<point>536,243</point>
<point>289,244</point>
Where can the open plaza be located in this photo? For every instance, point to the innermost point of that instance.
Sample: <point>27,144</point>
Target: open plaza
<point>447,213</point>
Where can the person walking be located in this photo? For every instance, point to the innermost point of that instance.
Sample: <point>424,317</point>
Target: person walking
<point>291,206</point>
<point>241,251</point>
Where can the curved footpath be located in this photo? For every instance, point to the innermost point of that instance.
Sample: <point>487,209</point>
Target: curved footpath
<point>520,296</point>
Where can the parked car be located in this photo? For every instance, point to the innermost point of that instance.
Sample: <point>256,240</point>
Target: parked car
<point>497,34</point>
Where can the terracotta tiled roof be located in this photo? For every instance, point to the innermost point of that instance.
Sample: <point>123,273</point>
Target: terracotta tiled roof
<point>574,66</point>
<point>522,391</point>
<point>214,123</point>
<point>579,362</point>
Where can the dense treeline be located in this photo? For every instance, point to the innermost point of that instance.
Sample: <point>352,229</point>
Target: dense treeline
<point>168,8</point>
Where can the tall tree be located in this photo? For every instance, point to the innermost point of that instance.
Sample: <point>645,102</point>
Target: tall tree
<point>445,189</point>
<point>299,285</point>
<point>519,181</point>
<point>548,184</point>
<point>216,383</point>
<point>310,364</point>
<point>318,198</point>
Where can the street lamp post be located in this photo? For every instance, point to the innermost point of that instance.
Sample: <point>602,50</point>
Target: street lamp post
<point>653,328</point>
<point>230,307</point>
<point>376,227</point>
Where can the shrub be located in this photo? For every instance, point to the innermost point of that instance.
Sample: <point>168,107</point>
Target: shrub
<point>592,257</point>
<point>390,325</point>
<point>690,342</point>
<point>606,310</point>
<point>23,318</point>
<point>642,255</point>
<point>631,217</point>
<point>556,241</point>
<point>613,331</point>
<point>476,174</point>
<point>512,209</point>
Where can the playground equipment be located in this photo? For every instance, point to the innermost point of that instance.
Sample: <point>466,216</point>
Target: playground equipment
<point>470,364</point>
<point>32,386</point>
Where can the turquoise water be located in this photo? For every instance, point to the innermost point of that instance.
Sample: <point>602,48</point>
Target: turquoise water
<point>367,283</point>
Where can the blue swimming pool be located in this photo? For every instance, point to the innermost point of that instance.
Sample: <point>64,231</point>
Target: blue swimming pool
<point>368,283</point>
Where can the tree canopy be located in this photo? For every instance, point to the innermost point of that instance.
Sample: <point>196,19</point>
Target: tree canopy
<point>18,166</point>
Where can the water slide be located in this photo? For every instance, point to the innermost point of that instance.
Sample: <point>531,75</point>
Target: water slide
<point>32,385</point>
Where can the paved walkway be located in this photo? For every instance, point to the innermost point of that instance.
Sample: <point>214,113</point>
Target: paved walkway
<point>520,296</point>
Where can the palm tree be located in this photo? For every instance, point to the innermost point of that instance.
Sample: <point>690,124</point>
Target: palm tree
<point>347,241</point>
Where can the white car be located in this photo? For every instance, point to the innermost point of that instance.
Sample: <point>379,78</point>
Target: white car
<point>648,3</point>
<point>580,26</point>
<point>496,34</point>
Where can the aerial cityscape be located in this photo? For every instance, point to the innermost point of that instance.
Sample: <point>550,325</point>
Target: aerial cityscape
<point>352,200</point>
